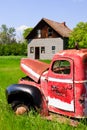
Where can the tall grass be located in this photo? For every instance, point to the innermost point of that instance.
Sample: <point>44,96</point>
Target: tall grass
<point>9,74</point>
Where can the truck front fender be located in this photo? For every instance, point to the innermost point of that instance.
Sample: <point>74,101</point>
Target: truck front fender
<point>25,92</point>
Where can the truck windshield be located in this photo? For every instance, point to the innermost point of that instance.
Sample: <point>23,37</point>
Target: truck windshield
<point>61,67</point>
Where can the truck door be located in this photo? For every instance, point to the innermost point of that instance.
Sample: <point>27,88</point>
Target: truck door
<point>61,85</point>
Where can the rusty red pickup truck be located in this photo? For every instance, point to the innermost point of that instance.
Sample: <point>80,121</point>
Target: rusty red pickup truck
<point>59,87</point>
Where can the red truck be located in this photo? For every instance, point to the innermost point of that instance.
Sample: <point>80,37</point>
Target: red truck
<point>59,87</point>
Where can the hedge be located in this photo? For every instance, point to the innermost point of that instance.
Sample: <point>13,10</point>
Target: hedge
<point>13,49</point>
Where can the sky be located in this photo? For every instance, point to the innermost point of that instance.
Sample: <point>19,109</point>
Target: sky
<point>21,14</point>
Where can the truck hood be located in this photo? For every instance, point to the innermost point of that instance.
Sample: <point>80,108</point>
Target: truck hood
<point>33,68</point>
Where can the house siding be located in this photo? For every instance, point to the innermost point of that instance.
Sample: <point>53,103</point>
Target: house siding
<point>47,43</point>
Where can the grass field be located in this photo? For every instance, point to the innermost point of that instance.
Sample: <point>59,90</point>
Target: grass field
<point>9,74</point>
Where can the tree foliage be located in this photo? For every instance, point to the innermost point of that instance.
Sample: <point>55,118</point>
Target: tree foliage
<point>79,35</point>
<point>7,35</point>
<point>13,49</point>
<point>26,32</point>
<point>8,43</point>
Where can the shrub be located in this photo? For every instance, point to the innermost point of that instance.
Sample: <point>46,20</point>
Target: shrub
<point>13,49</point>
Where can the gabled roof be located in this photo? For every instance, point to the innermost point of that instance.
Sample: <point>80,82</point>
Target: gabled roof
<point>60,28</point>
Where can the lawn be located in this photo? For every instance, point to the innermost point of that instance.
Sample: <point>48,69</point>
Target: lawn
<point>9,74</point>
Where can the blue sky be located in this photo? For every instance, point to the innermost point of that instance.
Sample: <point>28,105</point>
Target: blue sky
<point>27,13</point>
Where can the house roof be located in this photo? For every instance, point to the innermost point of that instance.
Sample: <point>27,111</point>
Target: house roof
<point>60,28</point>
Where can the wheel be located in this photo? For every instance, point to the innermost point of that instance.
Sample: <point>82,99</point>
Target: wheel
<point>20,107</point>
<point>20,110</point>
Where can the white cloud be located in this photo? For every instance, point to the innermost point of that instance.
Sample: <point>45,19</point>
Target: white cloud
<point>19,32</point>
<point>21,28</point>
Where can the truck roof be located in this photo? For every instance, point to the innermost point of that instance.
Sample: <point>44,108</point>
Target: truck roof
<point>72,53</point>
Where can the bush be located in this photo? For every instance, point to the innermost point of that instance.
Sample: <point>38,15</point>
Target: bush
<point>13,49</point>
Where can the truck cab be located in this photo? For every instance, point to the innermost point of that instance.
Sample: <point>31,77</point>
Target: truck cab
<point>59,87</point>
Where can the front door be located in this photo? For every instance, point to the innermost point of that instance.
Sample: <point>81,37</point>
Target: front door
<point>37,52</point>
<point>60,85</point>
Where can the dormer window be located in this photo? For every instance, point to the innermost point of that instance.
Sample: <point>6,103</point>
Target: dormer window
<point>50,32</point>
<point>38,33</point>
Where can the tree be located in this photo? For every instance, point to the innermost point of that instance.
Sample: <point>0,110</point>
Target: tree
<point>26,32</point>
<point>7,35</point>
<point>79,35</point>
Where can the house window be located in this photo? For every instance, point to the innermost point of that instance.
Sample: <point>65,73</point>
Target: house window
<point>50,32</point>
<point>31,49</point>
<point>38,33</point>
<point>43,49</point>
<point>53,49</point>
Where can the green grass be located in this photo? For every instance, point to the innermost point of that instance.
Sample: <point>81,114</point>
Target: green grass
<point>9,74</point>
